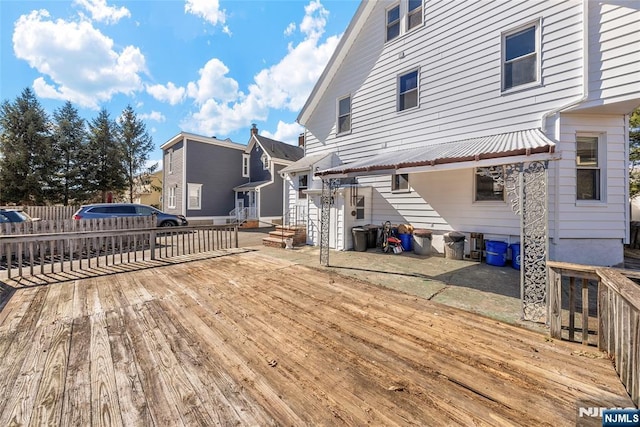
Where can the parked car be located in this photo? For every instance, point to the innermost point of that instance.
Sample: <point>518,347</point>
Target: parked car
<point>15,215</point>
<point>111,210</point>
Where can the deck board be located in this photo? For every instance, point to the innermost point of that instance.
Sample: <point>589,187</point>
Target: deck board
<point>251,340</point>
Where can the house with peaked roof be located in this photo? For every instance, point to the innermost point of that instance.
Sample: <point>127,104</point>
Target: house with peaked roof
<point>198,177</point>
<point>259,200</point>
<point>503,118</point>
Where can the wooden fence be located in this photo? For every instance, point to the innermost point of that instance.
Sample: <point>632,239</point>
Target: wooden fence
<point>66,225</point>
<point>47,212</point>
<point>30,254</point>
<point>612,301</point>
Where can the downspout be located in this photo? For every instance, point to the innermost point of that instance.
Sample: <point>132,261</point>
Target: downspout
<point>583,98</point>
<point>184,177</point>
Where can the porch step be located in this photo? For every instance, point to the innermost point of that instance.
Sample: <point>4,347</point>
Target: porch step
<point>281,233</point>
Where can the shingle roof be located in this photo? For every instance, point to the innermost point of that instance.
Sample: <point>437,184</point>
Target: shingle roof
<point>526,142</point>
<point>280,150</point>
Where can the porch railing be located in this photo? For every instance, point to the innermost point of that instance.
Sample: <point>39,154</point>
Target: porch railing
<point>242,214</point>
<point>294,216</point>
<point>609,302</point>
<point>31,254</point>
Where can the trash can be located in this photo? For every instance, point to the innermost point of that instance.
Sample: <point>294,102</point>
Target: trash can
<point>372,235</point>
<point>359,239</point>
<point>515,255</point>
<point>405,241</point>
<point>454,245</point>
<point>422,241</point>
<point>496,253</point>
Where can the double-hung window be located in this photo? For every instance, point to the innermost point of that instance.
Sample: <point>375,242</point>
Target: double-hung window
<point>344,115</point>
<point>588,165</point>
<point>170,161</point>
<point>303,184</point>
<point>408,90</point>
<point>245,165</point>
<point>195,196</point>
<point>414,14</point>
<point>520,53</point>
<point>393,22</point>
<point>265,162</point>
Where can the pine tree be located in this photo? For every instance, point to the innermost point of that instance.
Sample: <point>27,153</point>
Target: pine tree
<point>26,164</point>
<point>103,158</point>
<point>137,144</point>
<point>70,136</point>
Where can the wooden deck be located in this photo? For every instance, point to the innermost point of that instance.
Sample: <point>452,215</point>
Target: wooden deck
<point>246,339</point>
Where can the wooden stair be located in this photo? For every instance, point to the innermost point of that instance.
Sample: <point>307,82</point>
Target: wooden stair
<point>277,237</point>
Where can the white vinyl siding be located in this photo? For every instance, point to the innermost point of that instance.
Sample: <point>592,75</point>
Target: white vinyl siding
<point>459,49</point>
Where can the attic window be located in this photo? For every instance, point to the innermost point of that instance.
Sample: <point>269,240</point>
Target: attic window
<point>265,162</point>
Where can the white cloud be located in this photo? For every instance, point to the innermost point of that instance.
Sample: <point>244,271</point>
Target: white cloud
<point>285,85</point>
<point>209,10</point>
<point>213,84</point>
<point>102,13</point>
<point>78,62</point>
<point>153,115</point>
<point>169,93</point>
<point>290,29</point>
<point>285,132</point>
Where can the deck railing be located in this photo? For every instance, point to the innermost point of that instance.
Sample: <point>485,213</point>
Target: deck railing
<point>56,252</point>
<point>612,301</point>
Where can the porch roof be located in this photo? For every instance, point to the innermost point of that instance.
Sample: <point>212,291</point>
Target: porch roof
<point>305,163</point>
<point>532,144</point>
<point>249,186</point>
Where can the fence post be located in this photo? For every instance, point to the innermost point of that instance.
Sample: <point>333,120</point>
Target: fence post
<point>235,231</point>
<point>152,243</point>
<point>555,304</point>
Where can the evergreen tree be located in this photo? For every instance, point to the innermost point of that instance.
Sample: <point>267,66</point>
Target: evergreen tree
<point>103,158</point>
<point>69,135</point>
<point>26,164</point>
<point>137,144</point>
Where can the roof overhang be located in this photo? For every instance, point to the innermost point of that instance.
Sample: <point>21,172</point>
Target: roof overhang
<point>251,186</point>
<point>512,147</point>
<point>306,163</point>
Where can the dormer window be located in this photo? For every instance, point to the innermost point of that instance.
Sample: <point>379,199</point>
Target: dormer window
<point>265,162</point>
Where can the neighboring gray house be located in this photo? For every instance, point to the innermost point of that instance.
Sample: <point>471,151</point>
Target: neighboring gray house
<point>260,200</point>
<point>199,174</point>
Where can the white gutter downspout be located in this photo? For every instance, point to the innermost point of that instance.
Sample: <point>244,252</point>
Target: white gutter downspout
<point>583,98</point>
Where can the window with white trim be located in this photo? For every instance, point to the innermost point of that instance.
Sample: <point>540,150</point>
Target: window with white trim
<point>265,162</point>
<point>171,197</point>
<point>400,182</point>
<point>170,161</point>
<point>588,168</point>
<point>393,22</point>
<point>359,207</point>
<point>520,53</point>
<point>344,114</point>
<point>245,165</point>
<point>489,184</point>
<point>408,90</point>
<point>414,14</point>
<point>194,192</point>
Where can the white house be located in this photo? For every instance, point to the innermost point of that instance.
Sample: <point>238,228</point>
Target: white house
<point>508,118</point>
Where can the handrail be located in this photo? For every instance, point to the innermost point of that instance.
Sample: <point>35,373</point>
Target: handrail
<point>618,314</point>
<point>72,250</point>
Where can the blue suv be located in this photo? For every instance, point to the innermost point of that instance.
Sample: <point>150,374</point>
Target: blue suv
<point>111,210</point>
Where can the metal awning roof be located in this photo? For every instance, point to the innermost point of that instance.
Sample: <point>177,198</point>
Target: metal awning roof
<point>526,143</point>
<point>250,186</point>
<point>305,163</point>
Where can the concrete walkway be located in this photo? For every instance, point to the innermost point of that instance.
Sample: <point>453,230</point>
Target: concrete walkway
<point>472,286</point>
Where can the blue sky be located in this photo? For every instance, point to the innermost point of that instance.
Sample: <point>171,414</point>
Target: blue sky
<point>203,66</point>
